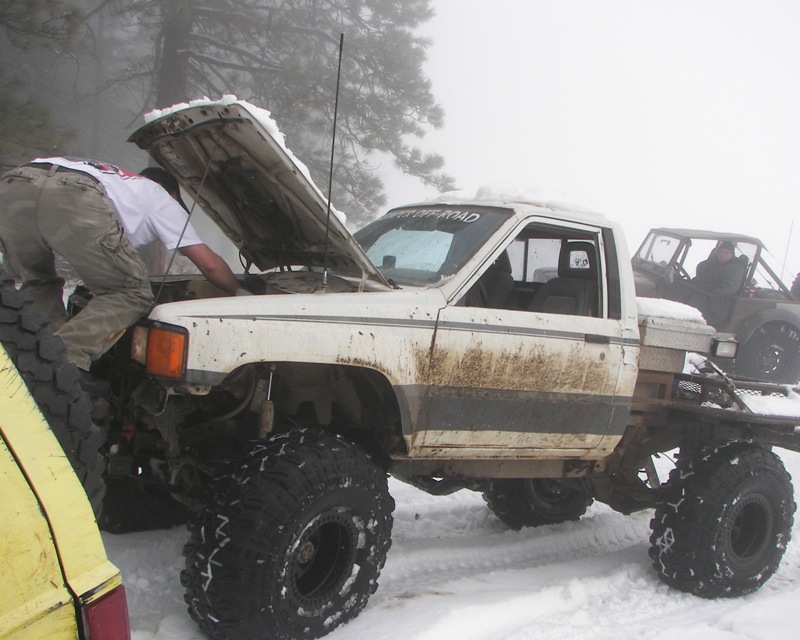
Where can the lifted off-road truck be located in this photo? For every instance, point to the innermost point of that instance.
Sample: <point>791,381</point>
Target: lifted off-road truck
<point>432,346</point>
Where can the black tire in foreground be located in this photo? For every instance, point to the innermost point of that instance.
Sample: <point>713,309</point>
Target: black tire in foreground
<point>772,354</point>
<point>724,527</point>
<point>132,505</point>
<point>293,542</point>
<point>535,502</point>
<point>54,384</point>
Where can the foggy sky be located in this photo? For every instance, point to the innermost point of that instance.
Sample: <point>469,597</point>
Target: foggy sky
<point>657,114</point>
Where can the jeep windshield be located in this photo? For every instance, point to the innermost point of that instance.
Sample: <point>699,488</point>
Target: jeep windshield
<point>684,252</point>
<point>422,246</point>
<point>657,252</point>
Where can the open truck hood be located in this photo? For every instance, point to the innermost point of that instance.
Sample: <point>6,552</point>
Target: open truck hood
<point>230,157</point>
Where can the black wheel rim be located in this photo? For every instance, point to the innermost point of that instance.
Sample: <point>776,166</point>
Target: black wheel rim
<point>749,533</point>
<point>322,560</point>
<point>770,359</point>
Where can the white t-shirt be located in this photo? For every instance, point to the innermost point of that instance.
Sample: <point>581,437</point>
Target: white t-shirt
<point>144,208</point>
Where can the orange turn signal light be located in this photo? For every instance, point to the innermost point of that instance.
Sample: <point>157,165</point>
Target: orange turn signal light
<point>162,349</point>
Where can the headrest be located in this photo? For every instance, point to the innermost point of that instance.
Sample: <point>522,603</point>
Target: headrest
<point>503,263</point>
<point>577,260</point>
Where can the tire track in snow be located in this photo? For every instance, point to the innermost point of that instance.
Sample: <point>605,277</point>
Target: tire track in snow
<point>424,547</point>
<point>589,579</point>
<point>455,571</point>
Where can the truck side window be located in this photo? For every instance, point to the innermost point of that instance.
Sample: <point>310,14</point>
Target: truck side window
<point>574,289</point>
<point>553,270</point>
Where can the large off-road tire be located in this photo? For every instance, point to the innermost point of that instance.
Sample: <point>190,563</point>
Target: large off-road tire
<point>772,354</point>
<point>55,385</point>
<point>535,502</point>
<point>132,505</point>
<point>726,522</point>
<point>293,542</point>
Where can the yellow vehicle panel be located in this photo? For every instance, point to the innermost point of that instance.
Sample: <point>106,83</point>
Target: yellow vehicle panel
<point>34,601</point>
<point>50,547</point>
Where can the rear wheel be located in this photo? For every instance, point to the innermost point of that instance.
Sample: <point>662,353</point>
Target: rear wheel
<point>54,383</point>
<point>293,542</point>
<point>534,502</point>
<point>131,505</point>
<point>724,528</point>
<point>772,354</point>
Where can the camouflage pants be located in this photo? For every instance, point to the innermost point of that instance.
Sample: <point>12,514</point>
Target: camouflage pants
<point>46,210</point>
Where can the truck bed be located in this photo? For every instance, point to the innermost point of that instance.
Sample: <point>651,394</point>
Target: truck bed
<point>742,400</point>
<point>765,412</point>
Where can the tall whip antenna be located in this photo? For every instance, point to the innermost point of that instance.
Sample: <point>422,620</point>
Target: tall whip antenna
<point>330,175</point>
<point>786,254</point>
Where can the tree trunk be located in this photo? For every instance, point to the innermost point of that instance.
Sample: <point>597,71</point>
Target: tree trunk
<point>172,65</point>
<point>172,75</point>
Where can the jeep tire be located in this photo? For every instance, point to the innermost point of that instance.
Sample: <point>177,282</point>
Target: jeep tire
<point>292,543</point>
<point>725,524</point>
<point>535,502</point>
<point>54,384</point>
<point>772,354</point>
<point>133,505</point>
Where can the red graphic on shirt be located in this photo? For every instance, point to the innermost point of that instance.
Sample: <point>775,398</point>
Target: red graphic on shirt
<point>107,168</point>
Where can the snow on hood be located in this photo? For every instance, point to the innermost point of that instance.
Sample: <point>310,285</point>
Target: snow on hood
<point>232,158</point>
<point>263,116</point>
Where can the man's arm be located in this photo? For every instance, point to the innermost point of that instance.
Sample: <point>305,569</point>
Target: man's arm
<point>212,267</point>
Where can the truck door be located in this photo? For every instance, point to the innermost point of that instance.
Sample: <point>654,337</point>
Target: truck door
<point>528,360</point>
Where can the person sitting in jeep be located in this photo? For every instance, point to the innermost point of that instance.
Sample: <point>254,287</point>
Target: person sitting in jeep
<point>720,273</point>
<point>719,276</point>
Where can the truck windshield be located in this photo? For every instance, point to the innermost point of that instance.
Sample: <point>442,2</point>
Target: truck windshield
<point>426,245</point>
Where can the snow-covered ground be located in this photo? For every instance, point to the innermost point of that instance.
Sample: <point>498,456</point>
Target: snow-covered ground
<point>455,572</point>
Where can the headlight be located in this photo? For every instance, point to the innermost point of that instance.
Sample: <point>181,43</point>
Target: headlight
<point>724,347</point>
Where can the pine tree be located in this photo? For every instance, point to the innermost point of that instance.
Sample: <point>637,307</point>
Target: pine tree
<point>282,55</point>
<point>32,27</point>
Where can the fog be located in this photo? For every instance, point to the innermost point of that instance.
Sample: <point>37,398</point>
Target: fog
<point>679,114</point>
<point>656,114</point>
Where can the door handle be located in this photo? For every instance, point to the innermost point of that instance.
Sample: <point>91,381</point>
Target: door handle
<point>595,338</point>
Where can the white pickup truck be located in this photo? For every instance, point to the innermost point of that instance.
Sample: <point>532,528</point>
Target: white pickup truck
<point>493,344</point>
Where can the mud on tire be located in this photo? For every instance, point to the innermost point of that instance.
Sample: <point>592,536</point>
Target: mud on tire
<point>293,542</point>
<point>535,502</point>
<point>725,526</point>
<point>54,384</point>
